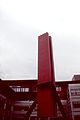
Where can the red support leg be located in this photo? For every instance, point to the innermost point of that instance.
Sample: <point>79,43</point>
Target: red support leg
<point>45,98</point>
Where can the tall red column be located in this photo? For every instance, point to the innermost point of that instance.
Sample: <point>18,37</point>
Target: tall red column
<point>46,78</point>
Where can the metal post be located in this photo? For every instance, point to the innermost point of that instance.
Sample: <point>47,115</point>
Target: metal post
<point>46,100</point>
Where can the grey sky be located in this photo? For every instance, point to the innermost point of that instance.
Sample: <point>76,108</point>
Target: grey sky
<point>18,49</point>
<point>20,24</point>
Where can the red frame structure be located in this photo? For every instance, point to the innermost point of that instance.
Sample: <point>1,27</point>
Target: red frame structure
<point>41,91</point>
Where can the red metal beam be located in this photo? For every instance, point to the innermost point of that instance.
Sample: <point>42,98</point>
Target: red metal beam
<point>46,99</point>
<point>23,83</point>
<point>30,110</point>
<point>45,60</point>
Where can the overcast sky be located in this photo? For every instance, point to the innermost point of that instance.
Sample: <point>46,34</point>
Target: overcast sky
<point>21,21</point>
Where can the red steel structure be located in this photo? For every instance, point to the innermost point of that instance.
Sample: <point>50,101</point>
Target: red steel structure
<point>46,78</point>
<point>42,91</point>
<point>47,95</point>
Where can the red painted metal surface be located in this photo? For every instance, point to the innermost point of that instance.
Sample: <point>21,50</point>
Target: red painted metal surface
<point>45,97</point>
<point>22,83</point>
<point>44,59</point>
<point>46,103</point>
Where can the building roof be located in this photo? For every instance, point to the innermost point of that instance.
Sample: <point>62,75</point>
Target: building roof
<point>76,78</point>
